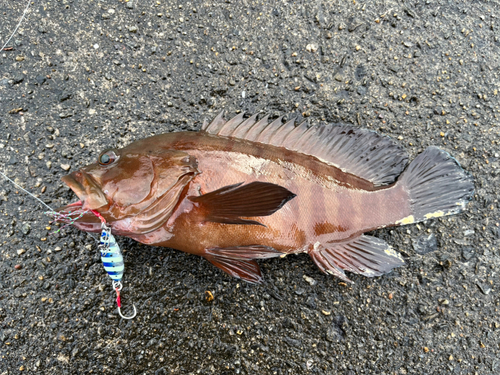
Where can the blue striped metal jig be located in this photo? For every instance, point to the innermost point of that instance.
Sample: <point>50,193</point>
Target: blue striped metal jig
<point>111,256</point>
<point>112,260</point>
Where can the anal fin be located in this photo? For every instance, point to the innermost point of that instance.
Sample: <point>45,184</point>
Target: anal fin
<point>245,269</point>
<point>364,255</point>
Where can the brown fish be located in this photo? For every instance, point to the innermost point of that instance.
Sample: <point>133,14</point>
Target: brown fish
<point>247,189</point>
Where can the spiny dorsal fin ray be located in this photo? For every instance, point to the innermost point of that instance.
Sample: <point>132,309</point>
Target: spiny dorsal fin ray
<point>229,127</point>
<point>242,129</point>
<point>361,152</point>
<point>216,124</point>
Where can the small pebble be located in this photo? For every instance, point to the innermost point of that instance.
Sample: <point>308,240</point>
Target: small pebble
<point>468,253</point>
<point>40,79</point>
<point>299,291</point>
<point>310,280</point>
<point>209,297</point>
<point>20,251</point>
<point>361,90</point>
<point>26,228</point>
<point>18,78</point>
<point>312,48</point>
<point>18,267</point>
<point>484,288</point>
<point>66,167</point>
<point>425,244</point>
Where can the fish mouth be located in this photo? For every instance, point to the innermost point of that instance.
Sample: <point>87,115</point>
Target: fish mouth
<point>86,189</point>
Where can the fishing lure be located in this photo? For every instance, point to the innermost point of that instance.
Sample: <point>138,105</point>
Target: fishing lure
<point>111,255</point>
<point>112,260</point>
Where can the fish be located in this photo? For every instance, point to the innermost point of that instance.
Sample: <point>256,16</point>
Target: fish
<point>247,189</point>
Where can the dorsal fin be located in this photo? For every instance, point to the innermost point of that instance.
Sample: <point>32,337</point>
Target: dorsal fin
<point>361,152</point>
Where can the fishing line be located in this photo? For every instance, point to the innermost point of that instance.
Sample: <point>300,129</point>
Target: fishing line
<point>111,255</point>
<point>17,27</point>
<point>27,192</point>
<point>57,216</point>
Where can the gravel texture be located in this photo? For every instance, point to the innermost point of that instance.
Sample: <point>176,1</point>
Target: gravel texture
<point>82,76</point>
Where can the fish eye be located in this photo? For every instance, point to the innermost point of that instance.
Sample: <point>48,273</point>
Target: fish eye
<point>107,157</point>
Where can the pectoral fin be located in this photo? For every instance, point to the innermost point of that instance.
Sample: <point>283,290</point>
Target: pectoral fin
<point>230,203</point>
<point>244,269</point>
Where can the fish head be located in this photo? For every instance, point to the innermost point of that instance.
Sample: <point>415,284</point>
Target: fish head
<point>135,188</point>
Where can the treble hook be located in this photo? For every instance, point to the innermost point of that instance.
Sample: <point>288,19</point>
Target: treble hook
<point>119,303</point>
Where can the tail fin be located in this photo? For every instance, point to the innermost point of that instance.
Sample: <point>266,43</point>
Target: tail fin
<point>437,186</point>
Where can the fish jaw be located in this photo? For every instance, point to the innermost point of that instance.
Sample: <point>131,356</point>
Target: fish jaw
<point>90,194</point>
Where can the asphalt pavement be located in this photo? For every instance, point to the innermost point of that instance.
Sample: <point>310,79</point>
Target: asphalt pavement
<point>82,76</point>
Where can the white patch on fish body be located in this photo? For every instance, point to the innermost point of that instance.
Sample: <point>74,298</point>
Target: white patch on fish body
<point>406,220</point>
<point>390,251</point>
<point>249,164</point>
<point>327,182</point>
<point>435,214</point>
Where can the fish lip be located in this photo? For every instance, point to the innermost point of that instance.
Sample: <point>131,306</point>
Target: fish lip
<point>86,189</point>
<point>74,185</point>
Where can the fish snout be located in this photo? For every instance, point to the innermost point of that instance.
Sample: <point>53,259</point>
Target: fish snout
<point>89,192</point>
